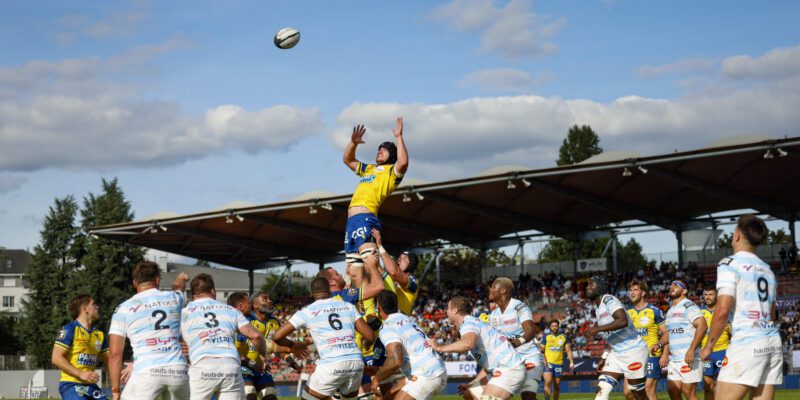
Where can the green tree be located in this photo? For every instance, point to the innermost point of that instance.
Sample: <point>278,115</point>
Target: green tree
<point>54,260</point>
<point>629,255</point>
<point>281,290</point>
<point>106,265</point>
<point>9,340</point>
<point>725,241</point>
<point>581,143</point>
<point>778,237</point>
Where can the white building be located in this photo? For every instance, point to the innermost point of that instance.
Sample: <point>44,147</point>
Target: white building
<point>13,282</point>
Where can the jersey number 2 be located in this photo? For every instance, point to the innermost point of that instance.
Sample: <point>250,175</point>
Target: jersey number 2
<point>162,316</point>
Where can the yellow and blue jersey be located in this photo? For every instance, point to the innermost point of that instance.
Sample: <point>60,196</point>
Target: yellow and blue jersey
<point>647,322</point>
<point>267,327</point>
<point>724,339</point>
<point>554,348</point>
<point>377,183</point>
<point>407,296</point>
<point>84,348</point>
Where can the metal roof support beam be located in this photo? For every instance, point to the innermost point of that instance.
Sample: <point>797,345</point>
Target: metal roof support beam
<point>618,207</point>
<point>322,234</point>
<point>721,192</point>
<point>256,245</point>
<point>525,222</point>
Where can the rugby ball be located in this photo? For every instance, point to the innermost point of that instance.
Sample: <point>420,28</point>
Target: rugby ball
<point>287,38</point>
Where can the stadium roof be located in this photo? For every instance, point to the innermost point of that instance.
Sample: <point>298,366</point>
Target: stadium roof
<point>672,191</point>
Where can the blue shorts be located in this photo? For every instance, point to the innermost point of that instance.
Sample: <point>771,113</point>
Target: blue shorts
<point>714,363</point>
<point>359,231</point>
<point>80,391</point>
<point>258,379</point>
<point>653,368</point>
<point>369,361</point>
<point>555,369</point>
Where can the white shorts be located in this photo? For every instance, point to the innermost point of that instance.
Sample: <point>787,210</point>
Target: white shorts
<point>148,384</point>
<point>679,371</point>
<point>210,375</point>
<point>753,364</point>
<point>533,377</point>
<point>344,376</point>
<point>422,387</point>
<point>632,363</point>
<point>508,379</point>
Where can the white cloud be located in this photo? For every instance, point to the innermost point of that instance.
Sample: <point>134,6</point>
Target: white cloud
<point>503,80</point>
<point>464,137</point>
<point>690,65</point>
<point>79,114</point>
<point>775,64</point>
<point>512,30</point>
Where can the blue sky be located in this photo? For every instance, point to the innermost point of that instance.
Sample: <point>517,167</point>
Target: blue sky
<point>192,107</point>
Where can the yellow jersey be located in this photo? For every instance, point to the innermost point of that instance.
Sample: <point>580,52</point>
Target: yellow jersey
<point>267,328</point>
<point>724,339</point>
<point>83,346</point>
<point>647,322</point>
<point>377,183</point>
<point>554,348</point>
<point>407,296</point>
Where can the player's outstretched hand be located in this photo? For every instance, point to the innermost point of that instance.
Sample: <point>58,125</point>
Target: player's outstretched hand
<point>300,350</point>
<point>89,376</point>
<point>398,127</point>
<point>377,235</point>
<point>433,344</point>
<point>705,353</point>
<point>126,373</point>
<point>358,134</point>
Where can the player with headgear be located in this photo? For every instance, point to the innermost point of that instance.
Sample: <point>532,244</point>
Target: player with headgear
<point>628,353</point>
<point>378,181</point>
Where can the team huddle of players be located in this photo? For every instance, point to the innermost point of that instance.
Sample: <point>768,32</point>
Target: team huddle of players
<point>368,345</point>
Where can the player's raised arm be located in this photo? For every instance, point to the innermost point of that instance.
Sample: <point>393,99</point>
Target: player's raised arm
<point>401,166</point>
<point>180,282</point>
<point>375,283</point>
<point>356,138</point>
<point>391,265</point>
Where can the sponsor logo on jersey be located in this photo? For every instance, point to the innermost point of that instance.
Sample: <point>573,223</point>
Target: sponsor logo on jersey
<point>686,369</point>
<point>496,374</point>
<point>725,361</point>
<point>635,366</point>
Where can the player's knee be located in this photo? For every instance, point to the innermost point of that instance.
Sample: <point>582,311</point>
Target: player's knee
<point>250,390</point>
<point>268,391</point>
<point>636,387</point>
<point>605,385</point>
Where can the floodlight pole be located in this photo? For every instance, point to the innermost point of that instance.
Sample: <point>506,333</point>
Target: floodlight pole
<point>792,231</point>
<point>679,236</point>
<point>250,277</point>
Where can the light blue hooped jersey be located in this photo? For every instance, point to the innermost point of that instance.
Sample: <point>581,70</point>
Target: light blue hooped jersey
<point>419,357</point>
<point>754,288</point>
<point>331,323</point>
<point>210,327</point>
<point>509,323</point>
<point>620,340</point>
<point>151,320</point>
<point>680,327</point>
<point>492,349</point>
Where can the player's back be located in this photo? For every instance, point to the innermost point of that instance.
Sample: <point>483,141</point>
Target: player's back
<point>210,327</point>
<point>331,323</point>
<point>622,339</point>
<point>151,320</point>
<point>754,287</point>
<point>492,349</point>
<point>509,322</point>
<point>420,359</point>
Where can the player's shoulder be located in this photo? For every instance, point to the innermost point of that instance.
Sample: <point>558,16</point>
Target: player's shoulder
<point>653,308</point>
<point>727,260</point>
<point>609,299</point>
<point>518,305</point>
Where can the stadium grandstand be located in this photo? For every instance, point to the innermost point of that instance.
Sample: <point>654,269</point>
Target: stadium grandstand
<point>698,190</point>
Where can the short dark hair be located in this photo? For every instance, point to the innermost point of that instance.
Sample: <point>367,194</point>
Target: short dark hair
<point>76,303</point>
<point>753,229</point>
<point>320,285</point>
<point>640,283</point>
<point>202,283</point>
<point>554,320</point>
<point>387,300</point>
<point>461,304</point>
<point>325,273</point>
<point>710,289</point>
<point>413,262</point>
<point>237,297</point>
<point>146,271</point>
